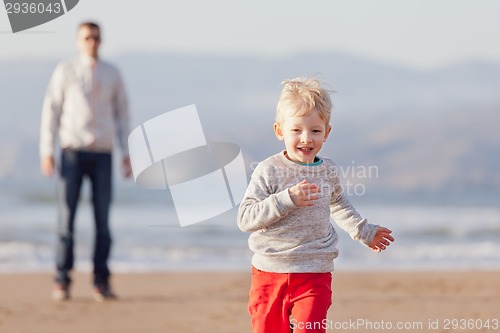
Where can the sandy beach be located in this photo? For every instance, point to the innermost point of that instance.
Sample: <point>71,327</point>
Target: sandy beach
<point>216,302</point>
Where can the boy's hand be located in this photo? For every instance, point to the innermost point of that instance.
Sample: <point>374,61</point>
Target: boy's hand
<point>381,240</point>
<point>304,194</point>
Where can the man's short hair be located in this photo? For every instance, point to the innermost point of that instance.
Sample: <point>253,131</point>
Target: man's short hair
<point>90,25</point>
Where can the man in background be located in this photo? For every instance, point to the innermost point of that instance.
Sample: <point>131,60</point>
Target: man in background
<point>84,107</point>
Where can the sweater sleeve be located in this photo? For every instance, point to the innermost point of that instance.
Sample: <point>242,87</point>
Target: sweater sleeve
<point>121,113</point>
<point>261,207</point>
<point>346,216</point>
<point>51,112</point>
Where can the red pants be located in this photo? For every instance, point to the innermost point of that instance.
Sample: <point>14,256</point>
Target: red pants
<point>276,296</point>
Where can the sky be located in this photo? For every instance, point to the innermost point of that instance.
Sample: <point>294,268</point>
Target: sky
<point>421,34</point>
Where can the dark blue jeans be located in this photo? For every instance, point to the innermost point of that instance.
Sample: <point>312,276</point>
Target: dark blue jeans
<point>75,166</point>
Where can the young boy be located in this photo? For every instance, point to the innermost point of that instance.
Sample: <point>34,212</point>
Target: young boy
<point>287,207</point>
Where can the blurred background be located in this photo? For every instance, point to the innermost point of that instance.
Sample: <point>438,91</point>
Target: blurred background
<point>415,122</point>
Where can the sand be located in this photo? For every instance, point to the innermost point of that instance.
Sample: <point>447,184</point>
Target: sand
<point>216,303</point>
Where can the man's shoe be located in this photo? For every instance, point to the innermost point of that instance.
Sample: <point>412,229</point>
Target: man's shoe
<point>60,292</point>
<point>104,293</point>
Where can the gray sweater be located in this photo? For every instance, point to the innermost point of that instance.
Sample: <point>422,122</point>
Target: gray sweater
<point>290,239</point>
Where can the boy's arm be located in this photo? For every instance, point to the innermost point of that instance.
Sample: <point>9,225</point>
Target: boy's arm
<point>346,216</point>
<point>260,208</point>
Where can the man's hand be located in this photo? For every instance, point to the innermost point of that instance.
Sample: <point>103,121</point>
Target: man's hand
<point>126,167</point>
<point>47,165</point>
<point>381,240</point>
<point>304,194</point>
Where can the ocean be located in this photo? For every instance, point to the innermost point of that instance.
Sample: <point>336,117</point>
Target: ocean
<point>148,238</point>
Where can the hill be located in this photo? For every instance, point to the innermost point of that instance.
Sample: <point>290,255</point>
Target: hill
<point>425,132</point>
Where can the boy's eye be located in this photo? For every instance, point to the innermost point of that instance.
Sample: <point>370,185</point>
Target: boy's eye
<point>316,131</point>
<point>296,130</point>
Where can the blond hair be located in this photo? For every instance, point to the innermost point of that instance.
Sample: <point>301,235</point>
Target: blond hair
<point>301,96</point>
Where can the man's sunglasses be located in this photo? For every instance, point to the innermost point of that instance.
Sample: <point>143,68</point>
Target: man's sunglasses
<point>94,37</point>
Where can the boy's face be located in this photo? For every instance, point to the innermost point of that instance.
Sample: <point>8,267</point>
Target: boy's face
<point>303,136</point>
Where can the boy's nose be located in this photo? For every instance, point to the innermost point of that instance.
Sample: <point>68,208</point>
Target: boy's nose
<point>305,138</point>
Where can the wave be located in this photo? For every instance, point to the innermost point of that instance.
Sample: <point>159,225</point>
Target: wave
<point>26,257</point>
<point>148,238</point>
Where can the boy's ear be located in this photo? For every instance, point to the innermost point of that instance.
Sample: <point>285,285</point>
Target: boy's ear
<point>327,133</point>
<point>278,131</point>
